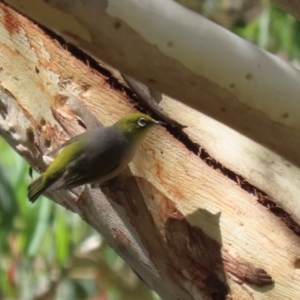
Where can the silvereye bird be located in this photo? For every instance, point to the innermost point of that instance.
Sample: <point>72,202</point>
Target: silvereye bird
<point>94,156</point>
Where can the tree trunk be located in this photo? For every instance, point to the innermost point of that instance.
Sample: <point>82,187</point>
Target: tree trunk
<point>219,223</point>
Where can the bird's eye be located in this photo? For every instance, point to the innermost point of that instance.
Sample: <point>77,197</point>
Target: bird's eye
<point>142,122</point>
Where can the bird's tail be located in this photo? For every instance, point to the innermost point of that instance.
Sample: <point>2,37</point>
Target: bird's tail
<point>36,188</point>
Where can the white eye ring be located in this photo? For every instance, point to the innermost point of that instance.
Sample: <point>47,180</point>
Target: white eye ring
<point>142,122</point>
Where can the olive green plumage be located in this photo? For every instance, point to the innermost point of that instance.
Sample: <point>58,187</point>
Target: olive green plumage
<point>94,156</point>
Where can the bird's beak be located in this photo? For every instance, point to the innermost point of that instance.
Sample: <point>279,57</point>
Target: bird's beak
<point>159,123</point>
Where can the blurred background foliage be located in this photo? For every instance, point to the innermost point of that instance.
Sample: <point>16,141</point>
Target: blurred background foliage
<point>259,21</point>
<point>47,252</point>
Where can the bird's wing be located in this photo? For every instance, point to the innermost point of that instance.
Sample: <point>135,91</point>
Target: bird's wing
<point>80,172</point>
<point>103,154</point>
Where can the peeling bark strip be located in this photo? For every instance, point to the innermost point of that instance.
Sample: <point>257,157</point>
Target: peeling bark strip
<point>150,100</point>
<point>244,271</point>
<point>35,138</point>
<point>72,115</point>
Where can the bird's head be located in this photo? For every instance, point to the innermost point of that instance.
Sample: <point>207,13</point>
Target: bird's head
<point>136,126</point>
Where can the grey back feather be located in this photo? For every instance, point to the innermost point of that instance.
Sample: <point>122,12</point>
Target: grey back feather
<point>103,152</point>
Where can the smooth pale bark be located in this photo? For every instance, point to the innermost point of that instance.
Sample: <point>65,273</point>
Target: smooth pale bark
<point>190,232</point>
<point>184,55</point>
